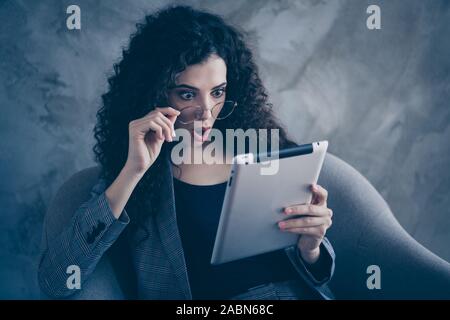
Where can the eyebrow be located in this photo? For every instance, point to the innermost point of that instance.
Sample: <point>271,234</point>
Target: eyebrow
<point>194,88</point>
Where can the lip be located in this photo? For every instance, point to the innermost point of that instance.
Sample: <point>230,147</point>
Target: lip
<point>204,136</point>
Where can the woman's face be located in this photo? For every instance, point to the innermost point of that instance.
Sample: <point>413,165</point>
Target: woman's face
<point>200,91</point>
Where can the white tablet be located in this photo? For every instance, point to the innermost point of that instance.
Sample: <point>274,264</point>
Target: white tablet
<point>258,190</point>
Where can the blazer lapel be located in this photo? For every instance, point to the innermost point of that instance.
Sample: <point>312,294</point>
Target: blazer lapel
<point>168,229</point>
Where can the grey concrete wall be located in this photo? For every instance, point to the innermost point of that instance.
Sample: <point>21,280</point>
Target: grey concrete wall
<point>380,97</point>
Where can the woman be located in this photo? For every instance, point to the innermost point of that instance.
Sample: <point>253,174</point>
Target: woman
<point>182,67</point>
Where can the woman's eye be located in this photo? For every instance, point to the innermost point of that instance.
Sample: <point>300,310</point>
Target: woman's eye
<point>218,93</point>
<point>186,95</point>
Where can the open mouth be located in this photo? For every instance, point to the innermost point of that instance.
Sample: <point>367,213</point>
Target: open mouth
<point>201,134</point>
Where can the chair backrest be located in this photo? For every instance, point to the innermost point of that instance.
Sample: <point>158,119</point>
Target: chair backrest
<point>364,233</point>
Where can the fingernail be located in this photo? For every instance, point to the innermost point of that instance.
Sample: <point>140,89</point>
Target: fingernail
<point>281,224</point>
<point>174,134</point>
<point>288,210</point>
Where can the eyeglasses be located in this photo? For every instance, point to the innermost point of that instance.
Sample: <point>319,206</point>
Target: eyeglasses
<point>220,111</point>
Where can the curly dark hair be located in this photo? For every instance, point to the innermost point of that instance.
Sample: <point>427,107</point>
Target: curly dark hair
<point>164,44</point>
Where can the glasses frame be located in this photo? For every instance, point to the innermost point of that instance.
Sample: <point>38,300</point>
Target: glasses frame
<point>217,118</point>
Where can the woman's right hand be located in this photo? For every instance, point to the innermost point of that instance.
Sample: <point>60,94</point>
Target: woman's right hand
<point>146,136</point>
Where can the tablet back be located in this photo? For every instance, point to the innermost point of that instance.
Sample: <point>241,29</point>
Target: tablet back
<point>254,202</point>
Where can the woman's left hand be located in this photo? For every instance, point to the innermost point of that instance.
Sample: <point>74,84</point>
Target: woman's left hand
<point>314,220</point>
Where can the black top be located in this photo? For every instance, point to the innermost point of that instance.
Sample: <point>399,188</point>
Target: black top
<point>198,211</point>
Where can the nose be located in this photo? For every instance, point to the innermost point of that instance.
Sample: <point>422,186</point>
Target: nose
<point>206,114</point>
<point>206,108</point>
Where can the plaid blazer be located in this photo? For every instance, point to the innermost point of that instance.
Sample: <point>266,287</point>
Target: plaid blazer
<point>154,268</point>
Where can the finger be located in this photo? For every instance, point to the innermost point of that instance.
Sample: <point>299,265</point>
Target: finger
<point>320,194</point>
<point>304,222</point>
<point>143,127</point>
<point>172,118</point>
<point>167,131</point>
<point>169,123</point>
<point>308,209</point>
<point>168,111</point>
<point>158,118</point>
<point>310,231</point>
<point>152,126</point>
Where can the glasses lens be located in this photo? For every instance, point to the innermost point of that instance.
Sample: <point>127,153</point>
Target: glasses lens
<point>190,114</point>
<point>224,109</point>
<point>219,111</point>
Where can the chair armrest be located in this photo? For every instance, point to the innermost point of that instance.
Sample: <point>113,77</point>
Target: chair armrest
<point>365,232</point>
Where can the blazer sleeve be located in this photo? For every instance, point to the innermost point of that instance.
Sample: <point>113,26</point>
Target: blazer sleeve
<point>318,274</point>
<point>82,242</point>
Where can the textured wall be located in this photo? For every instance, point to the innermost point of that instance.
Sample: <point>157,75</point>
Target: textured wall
<point>380,98</point>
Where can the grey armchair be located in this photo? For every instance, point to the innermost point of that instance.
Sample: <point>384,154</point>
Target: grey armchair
<point>364,233</point>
